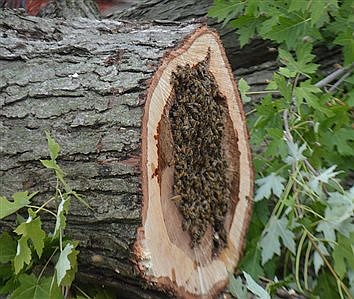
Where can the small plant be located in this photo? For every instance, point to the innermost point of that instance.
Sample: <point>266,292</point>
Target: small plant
<point>34,263</point>
<point>301,233</point>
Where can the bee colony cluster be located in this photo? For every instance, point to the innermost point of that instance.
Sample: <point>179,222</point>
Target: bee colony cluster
<point>201,188</point>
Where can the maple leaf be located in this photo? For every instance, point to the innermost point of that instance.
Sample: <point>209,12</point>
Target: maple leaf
<point>295,153</point>
<point>246,26</point>
<point>35,288</point>
<point>66,266</point>
<point>32,229</point>
<point>226,11</point>
<point>21,199</point>
<point>277,229</point>
<point>288,30</point>
<point>338,215</point>
<point>269,184</point>
<point>342,140</point>
<point>236,287</point>
<point>302,65</point>
<point>343,255</point>
<point>346,40</point>
<point>323,177</point>
<point>306,92</point>
<point>23,254</point>
<point>63,209</point>
<point>244,88</point>
<point>255,288</point>
<point>318,262</point>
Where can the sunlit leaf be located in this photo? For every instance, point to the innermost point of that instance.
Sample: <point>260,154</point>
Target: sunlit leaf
<point>53,146</point>
<point>20,200</point>
<point>270,184</point>
<point>66,266</point>
<point>23,254</point>
<point>295,152</point>
<point>244,88</point>
<point>255,288</point>
<point>32,230</point>
<point>236,287</point>
<point>63,209</point>
<point>270,244</point>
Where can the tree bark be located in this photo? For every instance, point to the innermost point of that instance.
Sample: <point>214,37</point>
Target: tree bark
<point>106,92</point>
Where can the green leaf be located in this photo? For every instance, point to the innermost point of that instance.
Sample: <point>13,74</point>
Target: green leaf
<point>343,255</point>
<point>63,209</point>
<point>226,10</point>
<point>277,146</point>
<point>302,65</point>
<point>341,140</point>
<point>320,10</point>
<point>338,215</point>
<point>284,87</point>
<point>32,229</point>
<point>318,262</point>
<point>50,164</point>
<point>237,288</point>
<point>7,248</point>
<point>270,244</point>
<point>255,288</point>
<point>251,261</point>
<point>246,26</point>
<point>346,39</point>
<point>23,254</point>
<point>34,288</point>
<point>326,286</point>
<point>306,93</point>
<point>21,199</point>
<point>269,184</point>
<point>323,177</point>
<point>66,267</point>
<point>289,30</point>
<point>11,282</point>
<point>295,153</point>
<point>54,148</point>
<point>244,88</point>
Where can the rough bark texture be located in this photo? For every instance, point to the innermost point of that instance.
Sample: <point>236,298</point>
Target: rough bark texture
<point>85,83</point>
<point>102,90</point>
<point>69,9</point>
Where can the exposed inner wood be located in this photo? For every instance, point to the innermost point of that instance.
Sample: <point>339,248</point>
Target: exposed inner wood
<point>171,260</point>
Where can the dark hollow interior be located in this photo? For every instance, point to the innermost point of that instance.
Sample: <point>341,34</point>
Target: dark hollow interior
<point>197,119</point>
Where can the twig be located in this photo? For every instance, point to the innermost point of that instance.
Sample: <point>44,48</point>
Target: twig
<point>334,75</point>
<point>347,74</point>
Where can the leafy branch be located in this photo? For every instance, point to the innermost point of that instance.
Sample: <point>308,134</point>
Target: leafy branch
<point>301,231</point>
<point>32,247</point>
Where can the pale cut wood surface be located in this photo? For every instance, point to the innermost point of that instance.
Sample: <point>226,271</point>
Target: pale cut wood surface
<point>164,258</point>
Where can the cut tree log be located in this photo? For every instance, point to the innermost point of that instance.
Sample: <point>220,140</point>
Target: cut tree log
<point>152,133</point>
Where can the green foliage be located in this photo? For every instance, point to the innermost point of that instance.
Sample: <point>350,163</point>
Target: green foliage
<point>31,248</point>
<point>302,227</point>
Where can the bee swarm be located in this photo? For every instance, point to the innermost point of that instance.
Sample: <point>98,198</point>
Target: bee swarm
<point>201,187</point>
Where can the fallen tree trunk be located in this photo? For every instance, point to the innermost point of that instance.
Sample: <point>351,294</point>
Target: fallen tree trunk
<point>152,133</point>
